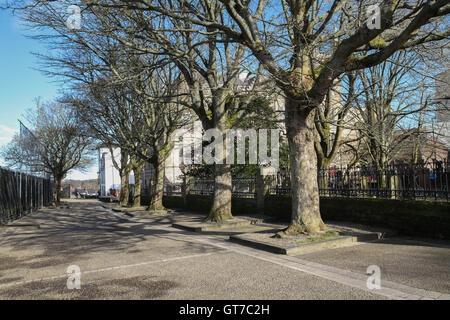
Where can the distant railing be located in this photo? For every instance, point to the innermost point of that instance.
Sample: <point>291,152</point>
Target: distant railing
<point>424,181</point>
<point>241,188</point>
<point>244,188</point>
<point>173,189</point>
<point>202,187</point>
<point>21,194</point>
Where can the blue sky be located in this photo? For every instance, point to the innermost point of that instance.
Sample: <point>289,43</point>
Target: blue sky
<point>20,84</point>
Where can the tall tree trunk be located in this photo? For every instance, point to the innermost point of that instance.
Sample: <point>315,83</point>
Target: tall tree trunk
<point>125,167</point>
<point>156,200</point>
<point>137,185</point>
<point>125,188</point>
<point>221,207</point>
<point>302,156</point>
<point>57,191</point>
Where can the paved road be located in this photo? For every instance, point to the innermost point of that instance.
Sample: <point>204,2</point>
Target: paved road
<point>131,258</point>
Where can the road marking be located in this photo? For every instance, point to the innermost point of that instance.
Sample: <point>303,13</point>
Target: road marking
<point>113,268</point>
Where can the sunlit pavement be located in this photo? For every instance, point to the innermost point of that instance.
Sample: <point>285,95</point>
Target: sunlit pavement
<point>130,258</point>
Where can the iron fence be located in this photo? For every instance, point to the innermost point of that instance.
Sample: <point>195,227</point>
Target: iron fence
<point>244,188</point>
<point>173,189</point>
<point>241,188</point>
<point>423,181</point>
<point>203,187</point>
<point>21,194</point>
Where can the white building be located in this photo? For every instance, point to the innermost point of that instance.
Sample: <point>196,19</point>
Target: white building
<point>110,178</point>
<point>108,174</point>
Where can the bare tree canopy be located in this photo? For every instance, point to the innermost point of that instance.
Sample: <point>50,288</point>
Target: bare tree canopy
<point>58,142</point>
<point>303,46</point>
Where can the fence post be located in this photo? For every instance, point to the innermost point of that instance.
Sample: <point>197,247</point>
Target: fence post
<point>263,185</point>
<point>188,184</point>
<point>392,186</point>
<point>259,193</point>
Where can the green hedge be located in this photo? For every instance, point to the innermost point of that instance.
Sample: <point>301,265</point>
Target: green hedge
<point>409,217</point>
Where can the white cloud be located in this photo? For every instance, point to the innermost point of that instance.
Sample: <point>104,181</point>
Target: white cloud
<point>7,130</point>
<point>6,134</point>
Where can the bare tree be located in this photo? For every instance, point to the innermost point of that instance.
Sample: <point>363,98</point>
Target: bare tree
<point>59,143</point>
<point>138,116</point>
<point>300,46</point>
<point>391,94</point>
<point>125,97</point>
<point>332,119</point>
<point>304,45</point>
<point>211,66</point>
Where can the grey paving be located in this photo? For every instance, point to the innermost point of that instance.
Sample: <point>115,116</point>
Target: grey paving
<point>147,259</point>
<point>419,263</point>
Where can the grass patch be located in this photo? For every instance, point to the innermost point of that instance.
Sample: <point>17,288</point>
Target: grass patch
<point>331,234</point>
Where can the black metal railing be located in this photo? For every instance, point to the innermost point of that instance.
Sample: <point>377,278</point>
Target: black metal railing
<point>423,181</point>
<point>241,188</point>
<point>21,194</point>
<point>173,189</point>
<point>203,187</point>
<point>244,188</point>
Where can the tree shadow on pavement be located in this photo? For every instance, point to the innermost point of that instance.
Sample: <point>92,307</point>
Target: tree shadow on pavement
<point>76,233</point>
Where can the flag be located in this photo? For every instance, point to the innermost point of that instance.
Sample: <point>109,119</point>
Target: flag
<point>31,147</point>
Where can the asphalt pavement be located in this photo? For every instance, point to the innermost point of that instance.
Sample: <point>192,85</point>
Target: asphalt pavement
<point>121,257</point>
